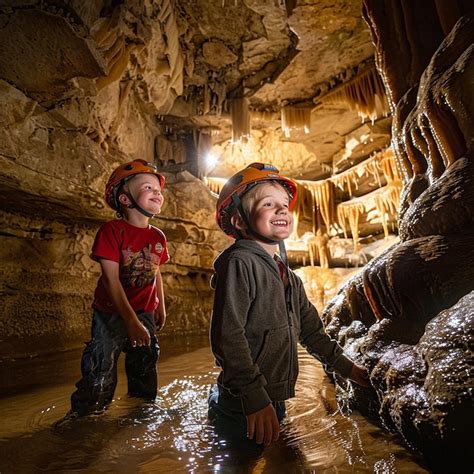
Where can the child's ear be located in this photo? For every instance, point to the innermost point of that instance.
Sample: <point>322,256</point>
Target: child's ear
<point>124,199</point>
<point>238,222</point>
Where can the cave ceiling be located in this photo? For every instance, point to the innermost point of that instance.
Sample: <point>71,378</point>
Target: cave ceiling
<point>274,53</point>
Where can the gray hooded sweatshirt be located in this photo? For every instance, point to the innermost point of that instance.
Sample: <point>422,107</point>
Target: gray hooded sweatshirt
<point>256,326</point>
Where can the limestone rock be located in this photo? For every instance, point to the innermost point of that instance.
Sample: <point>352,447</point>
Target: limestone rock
<point>217,54</point>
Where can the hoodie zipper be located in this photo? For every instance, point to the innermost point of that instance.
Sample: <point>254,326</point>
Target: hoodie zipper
<point>289,310</point>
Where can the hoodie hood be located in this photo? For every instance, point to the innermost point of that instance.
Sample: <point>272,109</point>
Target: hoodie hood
<point>244,245</point>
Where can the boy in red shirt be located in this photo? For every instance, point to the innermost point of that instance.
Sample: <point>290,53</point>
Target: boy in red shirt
<point>128,301</point>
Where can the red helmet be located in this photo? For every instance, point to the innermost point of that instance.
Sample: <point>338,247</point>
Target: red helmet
<point>122,174</point>
<point>242,182</point>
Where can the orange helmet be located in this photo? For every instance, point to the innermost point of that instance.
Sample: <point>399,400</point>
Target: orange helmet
<point>242,182</point>
<point>122,174</point>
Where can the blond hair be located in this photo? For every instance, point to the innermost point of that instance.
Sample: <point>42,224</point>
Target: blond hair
<point>249,198</point>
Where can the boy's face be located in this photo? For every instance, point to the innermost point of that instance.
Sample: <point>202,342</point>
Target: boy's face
<point>269,213</point>
<point>145,189</point>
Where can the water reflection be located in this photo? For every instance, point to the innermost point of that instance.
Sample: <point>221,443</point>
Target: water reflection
<point>172,434</point>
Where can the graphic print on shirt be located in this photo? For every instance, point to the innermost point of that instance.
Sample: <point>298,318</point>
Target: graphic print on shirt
<point>139,268</point>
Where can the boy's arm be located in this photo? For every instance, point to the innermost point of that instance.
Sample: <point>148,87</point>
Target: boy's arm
<point>137,332</point>
<point>160,312</point>
<point>228,340</point>
<point>316,341</point>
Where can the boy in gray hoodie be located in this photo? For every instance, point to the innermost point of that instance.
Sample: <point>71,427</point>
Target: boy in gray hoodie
<point>261,310</point>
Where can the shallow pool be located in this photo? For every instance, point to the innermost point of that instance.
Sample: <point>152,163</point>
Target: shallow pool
<point>172,434</point>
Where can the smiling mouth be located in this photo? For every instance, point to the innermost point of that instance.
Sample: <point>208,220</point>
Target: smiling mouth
<point>280,223</point>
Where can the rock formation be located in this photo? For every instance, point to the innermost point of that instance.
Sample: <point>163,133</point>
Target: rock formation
<point>408,315</point>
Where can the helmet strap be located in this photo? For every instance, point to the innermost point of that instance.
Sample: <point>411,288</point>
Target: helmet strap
<point>134,205</point>
<point>240,209</point>
<point>281,243</point>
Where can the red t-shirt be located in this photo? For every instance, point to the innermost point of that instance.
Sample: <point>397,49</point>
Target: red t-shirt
<point>139,252</point>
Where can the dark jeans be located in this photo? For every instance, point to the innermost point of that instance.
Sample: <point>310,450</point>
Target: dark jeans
<point>99,364</point>
<point>226,414</point>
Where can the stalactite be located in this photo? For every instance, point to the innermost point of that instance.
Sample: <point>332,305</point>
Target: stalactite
<point>263,115</point>
<point>304,207</point>
<point>323,195</point>
<point>389,167</point>
<point>365,94</point>
<point>118,63</point>
<point>214,184</point>
<point>170,150</point>
<point>218,97</point>
<point>204,146</point>
<point>373,166</point>
<point>419,141</point>
<point>345,180</point>
<point>293,117</point>
<point>350,212</point>
<point>239,109</point>
<point>417,160</point>
<point>318,245</point>
<point>125,88</point>
<point>387,202</point>
<point>173,51</point>
<point>206,100</point>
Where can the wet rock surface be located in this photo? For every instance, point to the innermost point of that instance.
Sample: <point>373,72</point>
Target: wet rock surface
<point>408,316</point>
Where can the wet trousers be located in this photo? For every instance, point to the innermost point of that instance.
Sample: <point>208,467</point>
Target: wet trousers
<point>226,414</point>
<point>99,360</point>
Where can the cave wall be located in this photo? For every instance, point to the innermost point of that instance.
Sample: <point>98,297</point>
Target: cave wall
<point>66,121</point>
<point>408,315</point>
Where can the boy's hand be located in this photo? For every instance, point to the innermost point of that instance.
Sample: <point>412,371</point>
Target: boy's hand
<point>138,334</point>
<point>359,375</point>
<point>160,320</point>
<point>264,425</point>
